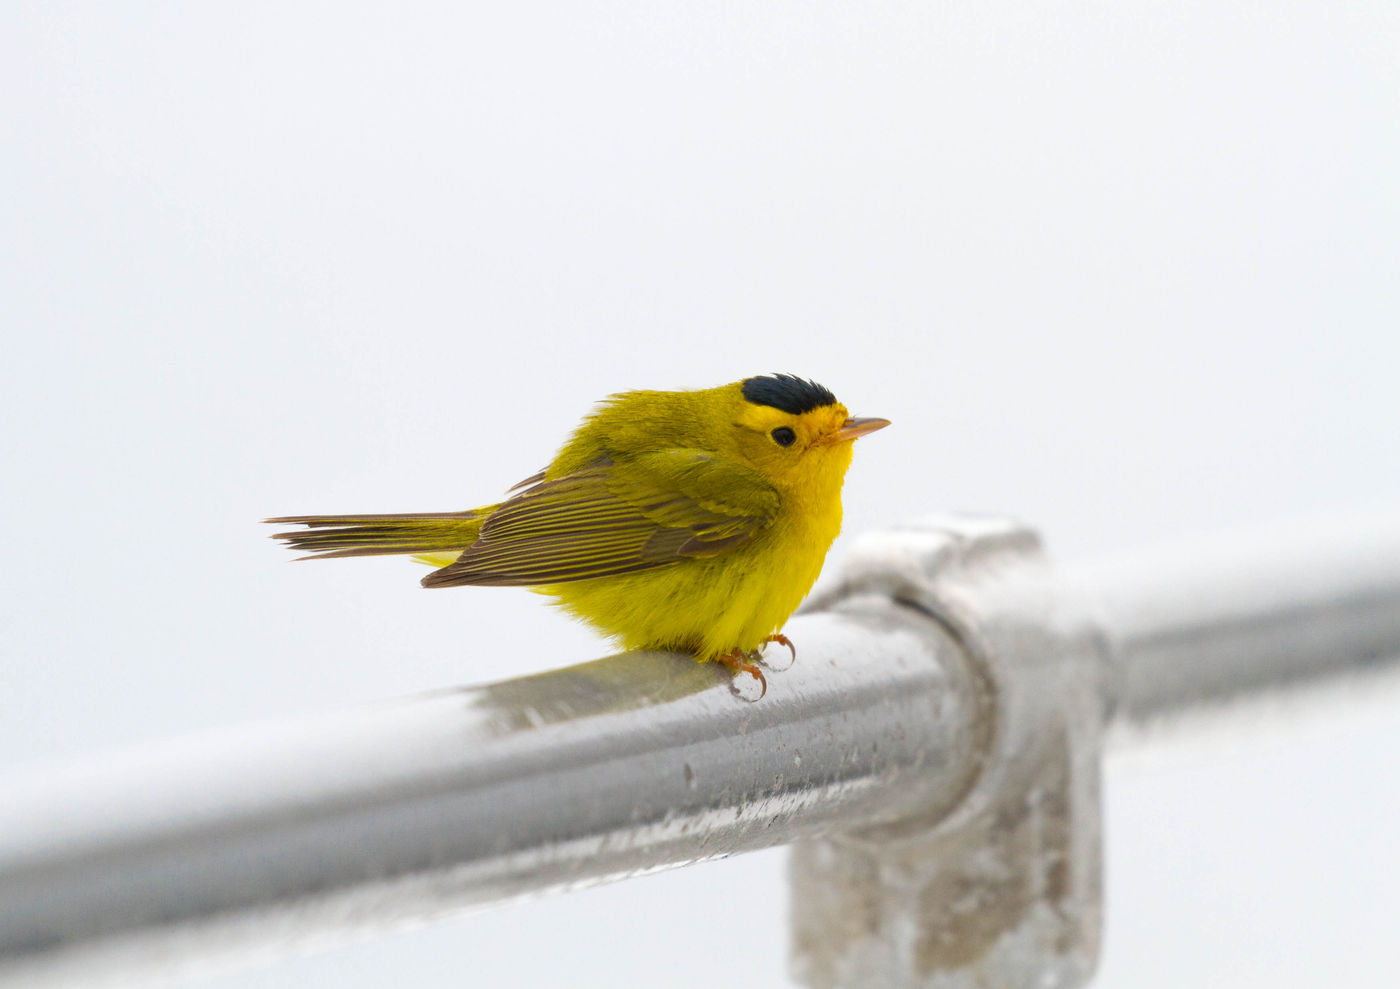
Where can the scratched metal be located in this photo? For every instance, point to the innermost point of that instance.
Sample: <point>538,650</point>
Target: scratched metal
<point>173,859</point>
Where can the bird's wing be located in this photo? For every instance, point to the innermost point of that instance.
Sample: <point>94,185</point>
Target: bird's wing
<point>617,517</point>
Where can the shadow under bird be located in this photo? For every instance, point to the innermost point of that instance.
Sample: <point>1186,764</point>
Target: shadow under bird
<point>692,521</point>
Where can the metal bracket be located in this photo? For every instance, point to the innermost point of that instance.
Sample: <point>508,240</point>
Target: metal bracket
<point>1003,887</point>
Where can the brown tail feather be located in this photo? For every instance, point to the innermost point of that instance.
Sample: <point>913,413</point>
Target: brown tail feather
<point>332,536</point>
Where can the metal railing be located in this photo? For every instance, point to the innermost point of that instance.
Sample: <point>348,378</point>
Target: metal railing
<point>933,757</point>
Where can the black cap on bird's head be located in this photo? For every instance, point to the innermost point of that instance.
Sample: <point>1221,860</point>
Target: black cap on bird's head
<point>799,397</point>
<point>787,392</point>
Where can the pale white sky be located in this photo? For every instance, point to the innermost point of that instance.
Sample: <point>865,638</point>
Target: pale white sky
<point>1128,271</point>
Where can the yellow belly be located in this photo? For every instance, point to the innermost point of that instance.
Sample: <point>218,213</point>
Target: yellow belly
<point>707,607</point>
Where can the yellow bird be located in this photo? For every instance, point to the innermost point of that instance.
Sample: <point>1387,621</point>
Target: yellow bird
<point>693,521</point>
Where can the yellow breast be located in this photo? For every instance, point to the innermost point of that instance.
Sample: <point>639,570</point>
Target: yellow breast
<point>710,606</point>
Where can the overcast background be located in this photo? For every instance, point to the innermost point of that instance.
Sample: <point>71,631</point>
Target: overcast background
<point>1128,271</point>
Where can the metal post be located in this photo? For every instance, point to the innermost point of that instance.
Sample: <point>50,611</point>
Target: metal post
<point>1006,889</point>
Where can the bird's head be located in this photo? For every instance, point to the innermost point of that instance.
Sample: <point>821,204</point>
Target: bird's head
<point>794,431</point>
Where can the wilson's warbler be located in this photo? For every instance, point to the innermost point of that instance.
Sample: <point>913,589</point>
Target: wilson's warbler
<point>686,520</point>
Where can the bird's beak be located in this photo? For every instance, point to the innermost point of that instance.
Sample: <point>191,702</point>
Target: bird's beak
<point>855,428</point>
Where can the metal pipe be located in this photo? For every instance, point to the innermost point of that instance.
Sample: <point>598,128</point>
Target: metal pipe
<point>167,859</point>
<point>176,858</point>
<point>1201,624</point>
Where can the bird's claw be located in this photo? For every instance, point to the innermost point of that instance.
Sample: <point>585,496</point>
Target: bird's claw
<point>737,661</point>
<point>782,640</point>
<point>752,670</point>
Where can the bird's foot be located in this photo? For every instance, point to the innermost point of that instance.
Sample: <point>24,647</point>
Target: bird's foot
<point>737,661</point>
<point>782,640</point>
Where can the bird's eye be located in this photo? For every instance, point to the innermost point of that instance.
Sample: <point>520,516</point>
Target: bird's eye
<point>784,436</point>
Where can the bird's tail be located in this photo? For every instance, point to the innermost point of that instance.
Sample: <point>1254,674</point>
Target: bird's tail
<point>432,536</point>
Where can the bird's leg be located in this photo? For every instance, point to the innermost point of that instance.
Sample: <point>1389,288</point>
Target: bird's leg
<point>781,640</point>
<point>737,661</point>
